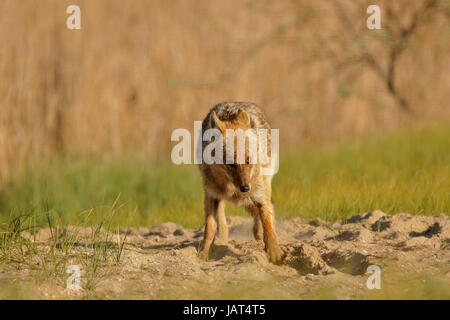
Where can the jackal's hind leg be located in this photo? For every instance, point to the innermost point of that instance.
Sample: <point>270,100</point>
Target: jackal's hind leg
<point>257,228</point>
<point>222,226</point>
<point>257,224</point>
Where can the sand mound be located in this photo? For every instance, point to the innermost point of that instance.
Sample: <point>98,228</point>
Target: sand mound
<point>161,262</point>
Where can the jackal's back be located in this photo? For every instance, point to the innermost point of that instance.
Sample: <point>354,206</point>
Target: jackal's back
<point>227,111</point>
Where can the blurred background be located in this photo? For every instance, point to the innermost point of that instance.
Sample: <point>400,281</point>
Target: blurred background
<point>139,69</point>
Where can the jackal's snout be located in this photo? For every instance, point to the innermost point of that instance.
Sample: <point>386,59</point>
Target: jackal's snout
<point>245,188</point>
<point>242,178</point>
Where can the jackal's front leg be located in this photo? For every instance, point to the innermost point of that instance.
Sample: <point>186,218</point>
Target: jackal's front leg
<point>273,251</point>
<point>211,206</point>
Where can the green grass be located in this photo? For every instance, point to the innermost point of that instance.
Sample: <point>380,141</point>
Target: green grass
<point>402,172</point>
<point>20,249</point>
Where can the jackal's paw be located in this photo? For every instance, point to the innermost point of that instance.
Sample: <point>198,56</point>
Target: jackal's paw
<point>275,254</point>
<point>203,254</point>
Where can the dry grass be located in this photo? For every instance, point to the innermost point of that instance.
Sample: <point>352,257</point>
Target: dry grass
<point>137,70</point>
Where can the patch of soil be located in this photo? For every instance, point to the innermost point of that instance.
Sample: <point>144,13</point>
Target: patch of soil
<point>161,262</point>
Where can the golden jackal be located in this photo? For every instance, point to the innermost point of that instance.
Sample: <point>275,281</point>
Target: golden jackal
<point>240,183</point>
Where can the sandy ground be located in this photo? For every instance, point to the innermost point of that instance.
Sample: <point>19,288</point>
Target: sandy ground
<point>322,260</point>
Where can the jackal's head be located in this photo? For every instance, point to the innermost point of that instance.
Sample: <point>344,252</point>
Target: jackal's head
<point>239,162</point>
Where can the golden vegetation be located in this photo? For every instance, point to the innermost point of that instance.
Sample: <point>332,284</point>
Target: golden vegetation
<point>138,69</point>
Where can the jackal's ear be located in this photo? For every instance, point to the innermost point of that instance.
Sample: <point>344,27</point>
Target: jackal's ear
<point>218,123</point>
<point>242,117</point>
